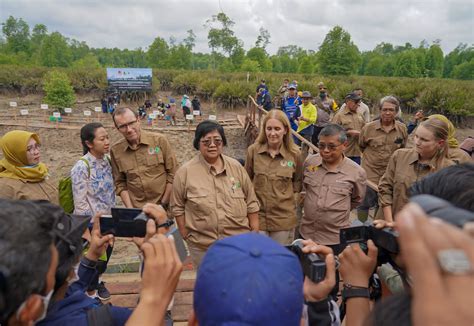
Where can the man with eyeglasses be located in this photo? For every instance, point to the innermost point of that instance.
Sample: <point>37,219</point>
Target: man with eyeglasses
<point>352,122</point>
<point>333,185</point>
<point>377,141</point>
<point>213,196</point>
<point>143,163</point>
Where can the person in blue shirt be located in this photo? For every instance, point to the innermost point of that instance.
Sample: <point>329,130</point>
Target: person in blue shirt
<point>291,106</point>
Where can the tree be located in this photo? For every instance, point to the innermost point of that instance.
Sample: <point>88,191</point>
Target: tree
<point>259,55</point>
<point>464,70</point>
<point>306,66</point>
<point>58,89</point>
<point>406,65</point>
<point>338,55</point>
<point>250,65</point>
<point>88,61</point>
<point>40,31</point>
<point>180,57</point>
<point>434,61</point>
<point>17,34</point>
<point>222,38</point>
<point>158,53</point>
<point>55,52</point>
<point>190,40</point>
<point>263,39</point>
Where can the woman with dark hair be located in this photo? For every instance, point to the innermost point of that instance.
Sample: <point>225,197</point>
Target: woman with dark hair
<point>274,165</point>
<point>212,196</point>
<point>22,174</point>
<point>93,186</point>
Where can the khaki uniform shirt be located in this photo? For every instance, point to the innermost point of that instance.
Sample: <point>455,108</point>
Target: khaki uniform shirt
<point>145,171</point>
<point>402,171</point>
<point>459,156</point>
<point>362,109</point>
<point>377,146</point>
<point>21,189</point>
<point>330,197</point>
<point>350,121</point>
<point>275,180</point>
<point>215,204</point>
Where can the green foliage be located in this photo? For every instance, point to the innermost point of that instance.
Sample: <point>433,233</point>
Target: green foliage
<point>158,53</point>
<point>407,65</point>
<point>17,33</point>
<point>186,83</point>
<point>250,65</point>
<point>54,51</point>
<point>208,87</point>
<point>88,61</point>
<point>464,70</point>
<point>232,94</point>
<point>434,61</point>
<point>338,54</point>
<point>58,90</point>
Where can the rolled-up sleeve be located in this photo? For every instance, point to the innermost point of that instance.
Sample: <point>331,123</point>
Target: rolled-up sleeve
<point>178,193</point>
<point>298,174</point>
<point>250,196</point>
<point>120,179</point>
<point>360,186</point>
<point>386,183</point>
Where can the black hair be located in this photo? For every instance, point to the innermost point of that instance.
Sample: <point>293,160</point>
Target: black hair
<point>333,129</point>
<point>26,236</point>
<point>88,134</point>
<point>121,111</point>
<point>453,184</point>
<point>206,127</point>
<point>395,310</point>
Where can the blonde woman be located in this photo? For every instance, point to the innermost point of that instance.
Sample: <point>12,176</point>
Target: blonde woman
<point>274,164</point>
<point>406,166</point>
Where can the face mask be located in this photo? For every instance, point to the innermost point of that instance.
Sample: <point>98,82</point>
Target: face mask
<point>46,299</point>
<point>322,94</point>
<point>75,277</point>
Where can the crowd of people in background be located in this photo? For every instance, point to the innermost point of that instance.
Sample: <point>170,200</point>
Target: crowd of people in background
<point>311,166</point>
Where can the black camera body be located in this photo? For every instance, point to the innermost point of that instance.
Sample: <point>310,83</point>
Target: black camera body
<point>385,239</point>
<point>314,267</point>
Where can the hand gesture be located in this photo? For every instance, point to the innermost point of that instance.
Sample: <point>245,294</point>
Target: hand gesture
<point>355,266</point>
<point>98,243</point>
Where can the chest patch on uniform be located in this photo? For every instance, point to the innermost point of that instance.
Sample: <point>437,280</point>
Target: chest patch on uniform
<point>235,183</point>
<point>312,168</point>
<point>153,150</point>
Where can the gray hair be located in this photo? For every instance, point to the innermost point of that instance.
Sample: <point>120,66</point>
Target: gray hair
<point>390,99</point>
<point>332,130</point>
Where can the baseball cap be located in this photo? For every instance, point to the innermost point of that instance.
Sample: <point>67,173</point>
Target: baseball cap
<point>353,97</point>
<point>292,86</point>
<point>306,94</point>
<point>249,279</point>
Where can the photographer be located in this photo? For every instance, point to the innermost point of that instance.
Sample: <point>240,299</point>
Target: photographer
<point>27,268</point>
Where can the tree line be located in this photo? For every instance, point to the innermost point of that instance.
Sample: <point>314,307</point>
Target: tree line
<point>337,55</point>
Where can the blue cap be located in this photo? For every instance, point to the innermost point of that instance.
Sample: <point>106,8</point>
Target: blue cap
<point>292,86</point>
<point>249,279</point>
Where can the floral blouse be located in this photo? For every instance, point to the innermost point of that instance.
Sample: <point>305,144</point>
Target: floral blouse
<point>92,193</point>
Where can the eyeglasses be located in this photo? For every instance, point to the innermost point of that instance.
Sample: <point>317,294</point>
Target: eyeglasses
<point>208,142</point>
<point>125,126</point>
<point>32,148</point>
<point>330,147</point>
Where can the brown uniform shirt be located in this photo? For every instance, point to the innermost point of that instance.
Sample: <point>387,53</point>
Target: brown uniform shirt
<point>459,156</point>
<point>350,121</point>
<point>145,171</point>
<point>215,204</point>
<point>402,171</point>
<point>377,146</point>
<point>275,180</point>
<point>330,197</point>
<point>21,189</point>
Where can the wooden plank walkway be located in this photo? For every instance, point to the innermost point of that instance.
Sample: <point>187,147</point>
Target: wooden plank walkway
<point>125,290</point>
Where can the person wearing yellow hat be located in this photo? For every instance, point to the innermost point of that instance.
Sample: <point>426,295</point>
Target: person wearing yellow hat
<point>22,175</point>
<point>455,153</point>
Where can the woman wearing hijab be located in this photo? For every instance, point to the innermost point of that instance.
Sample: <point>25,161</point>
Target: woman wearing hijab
<point>455,153</point>
<point>22,175</point>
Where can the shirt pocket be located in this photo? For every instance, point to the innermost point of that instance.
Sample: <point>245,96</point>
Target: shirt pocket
<point>338,198</point>
<point>283,182</point>
<point>238,205</point>
<point>154,159</point>
<point>197,202</point>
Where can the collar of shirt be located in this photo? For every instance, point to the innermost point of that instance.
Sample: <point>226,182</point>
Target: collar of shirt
<point>414,157</point>
<point>320,163</point>
<point>94,160</point>
<point>347,111</point>
<point>210,168</point>
<point>378,125</point>
<point>145,139</point>
<point>283,152</point>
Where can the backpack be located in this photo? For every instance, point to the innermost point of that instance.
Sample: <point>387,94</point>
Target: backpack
<point>66,198</point>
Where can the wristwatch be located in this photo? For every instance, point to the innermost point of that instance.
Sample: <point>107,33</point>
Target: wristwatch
<point>352,291</point>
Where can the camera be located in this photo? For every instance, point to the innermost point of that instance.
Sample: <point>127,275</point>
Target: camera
<point>127,223</point>
<point>314,267</point>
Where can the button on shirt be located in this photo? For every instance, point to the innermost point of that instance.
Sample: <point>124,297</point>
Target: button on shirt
<point>215,204</point>
<point>330,197</point>
<point>350,121</point>
<point>402,171</point>
<point>275,180</point>
<point>377,145</point>
<point>143,171</point>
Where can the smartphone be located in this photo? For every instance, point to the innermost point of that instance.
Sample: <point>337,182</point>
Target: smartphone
<point>122,223</point>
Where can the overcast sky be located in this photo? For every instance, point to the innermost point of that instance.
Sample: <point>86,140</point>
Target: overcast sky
<point>135,23</point>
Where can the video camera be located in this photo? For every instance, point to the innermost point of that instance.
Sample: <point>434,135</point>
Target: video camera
<point>127,223</point>
<point>386,239</point>
<point>314,267</point>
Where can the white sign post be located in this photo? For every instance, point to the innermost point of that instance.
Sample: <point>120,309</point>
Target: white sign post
<point>24,112</point>
<point>97,110</point>
<point>44,107</point>
<point>13,104</point>
<point>57,115</point>
<point>87,114</point>
<point>67,110</point>
<point>212,117</point>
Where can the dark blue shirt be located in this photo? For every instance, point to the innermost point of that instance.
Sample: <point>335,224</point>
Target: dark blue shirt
<point>291,107</point>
